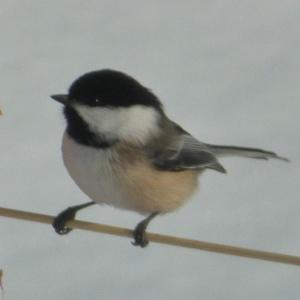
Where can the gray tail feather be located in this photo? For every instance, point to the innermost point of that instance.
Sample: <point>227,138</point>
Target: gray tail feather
<point>220,150</point>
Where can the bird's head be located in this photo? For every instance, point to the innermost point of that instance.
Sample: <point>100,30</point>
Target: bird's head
<point>112,104</point>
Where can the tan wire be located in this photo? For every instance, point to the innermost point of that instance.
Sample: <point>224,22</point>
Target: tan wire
<point>157,238</point>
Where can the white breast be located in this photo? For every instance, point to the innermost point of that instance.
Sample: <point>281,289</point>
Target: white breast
<point>105,177</point>
<point>93,172</point>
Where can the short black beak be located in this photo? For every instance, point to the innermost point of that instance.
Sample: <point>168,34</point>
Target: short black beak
<point>61,98</point>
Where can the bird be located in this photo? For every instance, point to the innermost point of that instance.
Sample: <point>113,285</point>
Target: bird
<point>122,150</point>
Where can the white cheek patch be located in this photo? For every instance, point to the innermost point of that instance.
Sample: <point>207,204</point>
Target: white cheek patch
<point>135,124</point>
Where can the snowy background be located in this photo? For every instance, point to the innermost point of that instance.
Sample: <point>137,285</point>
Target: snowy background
<point>227,71</point>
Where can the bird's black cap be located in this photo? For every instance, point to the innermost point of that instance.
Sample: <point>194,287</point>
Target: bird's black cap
<point>108,88</point>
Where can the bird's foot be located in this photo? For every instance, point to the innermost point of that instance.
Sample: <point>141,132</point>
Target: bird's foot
<point>139,235</point>
<point>67,215</point>
<point>60,221</point>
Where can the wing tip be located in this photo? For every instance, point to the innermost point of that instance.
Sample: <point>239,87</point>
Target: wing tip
<point>218,167</point>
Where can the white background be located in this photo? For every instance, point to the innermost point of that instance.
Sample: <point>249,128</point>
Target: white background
<point>227,71</point>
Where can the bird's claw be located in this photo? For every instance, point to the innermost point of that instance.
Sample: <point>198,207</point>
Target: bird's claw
<point>140,237</point>
<point>59,223</point>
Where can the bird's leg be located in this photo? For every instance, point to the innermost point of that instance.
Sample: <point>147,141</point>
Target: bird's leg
<point>139,233</point>
<point>66,215</point>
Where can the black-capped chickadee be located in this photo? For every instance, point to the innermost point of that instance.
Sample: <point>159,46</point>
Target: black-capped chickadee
<point>121,149</point>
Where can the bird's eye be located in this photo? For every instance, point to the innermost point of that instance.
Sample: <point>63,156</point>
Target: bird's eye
<point>97,101</point>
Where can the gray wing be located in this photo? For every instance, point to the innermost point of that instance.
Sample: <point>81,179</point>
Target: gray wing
<point>185,152</point>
